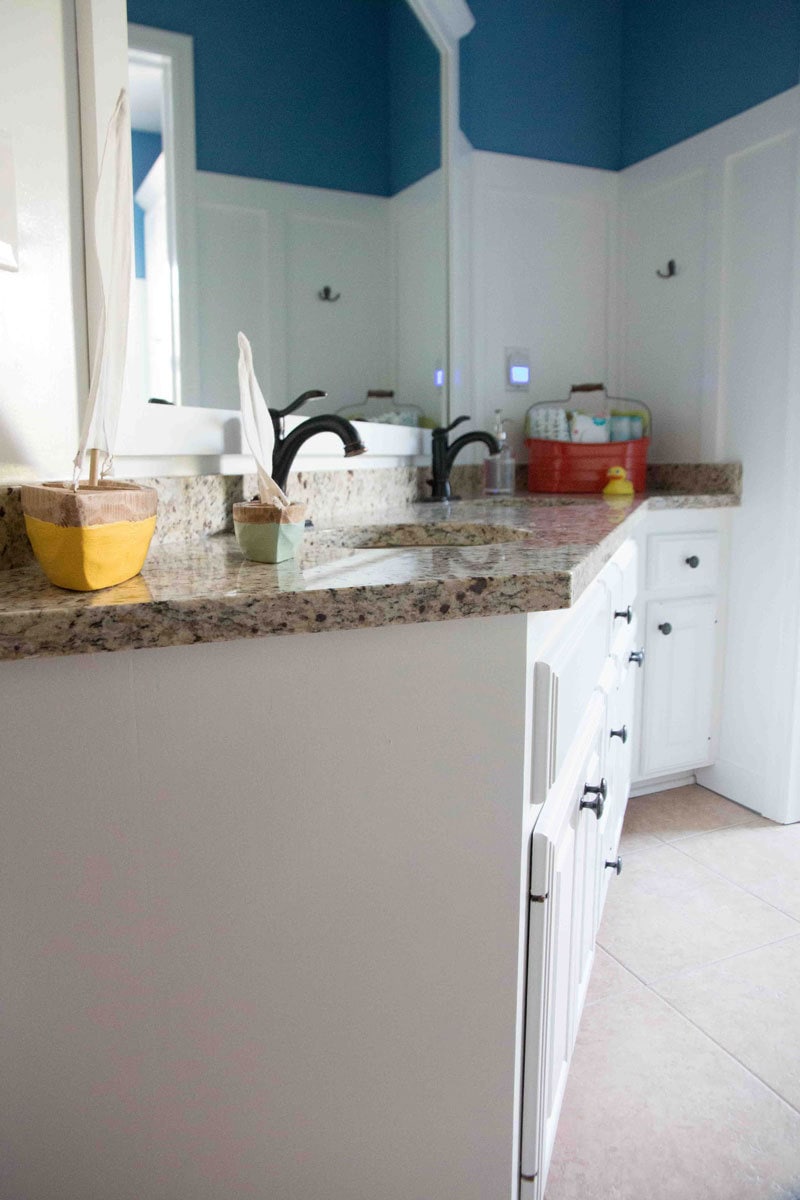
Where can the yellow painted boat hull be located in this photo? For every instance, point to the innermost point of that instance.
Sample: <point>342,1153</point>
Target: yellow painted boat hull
<point>87,558</point>
<point>93,537</point>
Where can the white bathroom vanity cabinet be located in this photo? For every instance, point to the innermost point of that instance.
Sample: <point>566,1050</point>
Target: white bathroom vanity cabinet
<point>315,915</point>
<point>682,585</point>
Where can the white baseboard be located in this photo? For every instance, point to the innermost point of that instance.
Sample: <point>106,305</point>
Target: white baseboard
<point>746,788</point>
<point>642,787</point>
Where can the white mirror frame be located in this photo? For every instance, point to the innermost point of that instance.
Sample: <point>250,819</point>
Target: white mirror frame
<point>166,51</point>
<point>159,439</point>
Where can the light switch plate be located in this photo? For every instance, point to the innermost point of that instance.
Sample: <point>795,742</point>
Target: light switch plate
<point>9,246</point>
<point>518,369</point>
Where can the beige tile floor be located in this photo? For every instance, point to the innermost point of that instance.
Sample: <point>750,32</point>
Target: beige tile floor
<point>685,1083</point>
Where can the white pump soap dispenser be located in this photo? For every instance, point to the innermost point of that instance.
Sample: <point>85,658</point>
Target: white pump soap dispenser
<point>499,469</point>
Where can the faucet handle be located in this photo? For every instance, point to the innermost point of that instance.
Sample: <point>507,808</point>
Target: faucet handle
<point>298,403</point>
<point>449,428</point>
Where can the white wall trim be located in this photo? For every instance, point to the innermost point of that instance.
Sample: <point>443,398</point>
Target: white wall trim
<point>662,783</point>
<point>445,20</point>
<point>173,54</point>
<point>788,783</point>
<point>103,42</point>
<point>217,434</point>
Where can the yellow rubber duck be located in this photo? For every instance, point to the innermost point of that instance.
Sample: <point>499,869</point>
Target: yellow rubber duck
<point>618,483</point>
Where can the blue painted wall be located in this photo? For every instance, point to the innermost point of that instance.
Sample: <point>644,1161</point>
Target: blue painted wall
<point>689,64</point>
<point>345,95</point>
<point>306,92</point>
<point>414,110</point>
<point>605,83</point>
<point>145,148</point>
<point>542,78</point>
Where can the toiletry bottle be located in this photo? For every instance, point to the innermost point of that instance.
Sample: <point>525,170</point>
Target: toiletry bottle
<point>499,469</point>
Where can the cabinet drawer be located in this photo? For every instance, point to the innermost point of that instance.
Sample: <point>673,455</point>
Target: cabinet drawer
<point>619,576</point>
<point>563,683</point>
<point>683,560</point>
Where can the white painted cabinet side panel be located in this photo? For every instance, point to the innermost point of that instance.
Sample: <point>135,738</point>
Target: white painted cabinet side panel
<point>262,917</point>
<point>81,930</point>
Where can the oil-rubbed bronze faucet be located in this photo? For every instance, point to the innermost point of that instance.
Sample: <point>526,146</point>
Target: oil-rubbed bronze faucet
<point>444,456</point>
<point>286,446</point>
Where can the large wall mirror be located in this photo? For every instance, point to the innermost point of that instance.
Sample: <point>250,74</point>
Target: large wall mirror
<point>316,217</point>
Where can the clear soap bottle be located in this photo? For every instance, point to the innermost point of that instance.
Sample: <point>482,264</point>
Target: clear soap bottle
<point>499,469</point>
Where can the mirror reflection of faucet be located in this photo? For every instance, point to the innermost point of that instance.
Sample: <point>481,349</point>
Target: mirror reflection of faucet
<point>382,407</point>
<point>444,455</point>
<point>288,444</point>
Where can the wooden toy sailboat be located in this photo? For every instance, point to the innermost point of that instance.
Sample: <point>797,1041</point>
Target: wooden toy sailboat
<point>271,528</point>
<point>90,536</point>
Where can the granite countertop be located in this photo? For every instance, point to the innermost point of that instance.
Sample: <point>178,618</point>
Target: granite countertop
<point>547,551</point>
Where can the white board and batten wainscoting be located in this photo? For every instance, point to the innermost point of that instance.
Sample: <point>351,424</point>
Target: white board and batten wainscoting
<point>564,260</point>
<point>265,250</point>
<point>714,351</point>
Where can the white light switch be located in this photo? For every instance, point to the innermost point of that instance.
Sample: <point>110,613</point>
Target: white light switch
<point>518,370</point>
<point>8,206</point>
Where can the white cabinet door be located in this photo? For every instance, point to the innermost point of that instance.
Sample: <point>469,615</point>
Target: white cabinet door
<point>564,678</point>
<point>565,859</point>
<point>678,699</point>
<point>618,769</point>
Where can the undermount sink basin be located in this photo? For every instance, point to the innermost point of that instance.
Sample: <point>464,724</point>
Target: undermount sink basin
<point>393,537</point>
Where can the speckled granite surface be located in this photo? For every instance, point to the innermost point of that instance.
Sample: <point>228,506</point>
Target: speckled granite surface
<point>198,505</point>
<point>15,549</point>
<point>707,478</point>
<point>543,553</point>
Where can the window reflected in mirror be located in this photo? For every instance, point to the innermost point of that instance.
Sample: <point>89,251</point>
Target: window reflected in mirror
<point>152,362</point>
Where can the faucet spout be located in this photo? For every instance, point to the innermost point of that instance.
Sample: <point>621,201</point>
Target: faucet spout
<point>443,456</point>
<point>477,435</point>
<point>287,447</point>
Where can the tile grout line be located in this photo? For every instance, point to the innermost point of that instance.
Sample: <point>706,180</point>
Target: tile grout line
<point>687,837</point>
<point>749,824</point>
<point>740,886</point>
<point>694,1024</point>
<point>715,962</point>
<point>724,1050</point>
<point>651,988</point>
<point>712,870</point>
<point>620,963</point>
<point>682,837</point>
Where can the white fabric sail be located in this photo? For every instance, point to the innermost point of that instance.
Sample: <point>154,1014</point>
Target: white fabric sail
<point>257,427</point>
<point>113,229</point>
